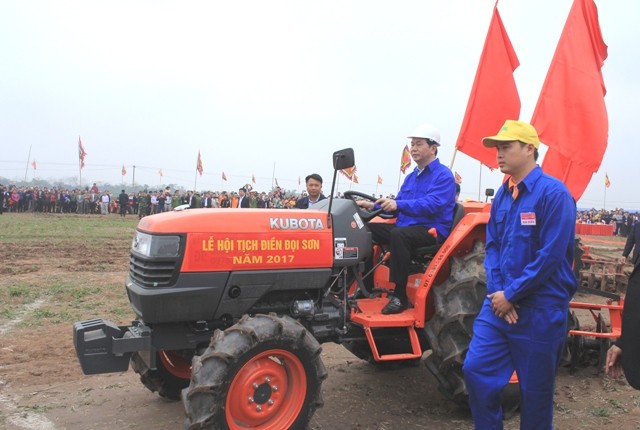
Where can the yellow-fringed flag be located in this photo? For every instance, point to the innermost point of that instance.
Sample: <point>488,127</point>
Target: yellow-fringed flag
<point>224,177</point>
<point>199,165</point>
<point>379,180</point>
<point>253,178</point>
<point>81,152</point>
<point>405,161</point>
<point>607,182</point>
<point>124,170</point>
<point>458,178</point>
<point>160,172</point>
<point>350,173</point>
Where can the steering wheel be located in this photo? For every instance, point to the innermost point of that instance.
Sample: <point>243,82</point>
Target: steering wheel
<point>366,214</point>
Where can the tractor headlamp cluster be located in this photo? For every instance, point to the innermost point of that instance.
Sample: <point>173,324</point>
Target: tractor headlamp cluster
<point>156,246</point>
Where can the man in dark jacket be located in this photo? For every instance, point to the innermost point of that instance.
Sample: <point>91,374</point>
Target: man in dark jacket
<point>123,202</point>
<point>623,357</point>
<point>243,199</point>
<point>633,242</point>
<point>314,192</point>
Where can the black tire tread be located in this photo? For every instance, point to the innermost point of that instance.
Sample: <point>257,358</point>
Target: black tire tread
<point>204,399</point>
<point>457,303</point>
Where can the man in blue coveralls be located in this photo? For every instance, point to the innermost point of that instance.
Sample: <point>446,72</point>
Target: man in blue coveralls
<point>522,325</point>
<point>426,200</point>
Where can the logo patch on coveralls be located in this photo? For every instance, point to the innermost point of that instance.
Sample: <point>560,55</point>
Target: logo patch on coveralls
<point>528,218</point>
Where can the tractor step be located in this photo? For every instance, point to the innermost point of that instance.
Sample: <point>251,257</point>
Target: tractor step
<point>370,318</point>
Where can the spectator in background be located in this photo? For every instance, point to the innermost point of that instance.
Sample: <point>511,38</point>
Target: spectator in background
<point>314,192</point>
<point>243,199</point>
<point>224,200</point>
<point>123,202</point>
<point>104,203</point>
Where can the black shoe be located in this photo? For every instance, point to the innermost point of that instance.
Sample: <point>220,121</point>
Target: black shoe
<point>394,306</point>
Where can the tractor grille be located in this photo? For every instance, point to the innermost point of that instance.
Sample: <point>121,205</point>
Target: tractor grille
<point>153,273</point>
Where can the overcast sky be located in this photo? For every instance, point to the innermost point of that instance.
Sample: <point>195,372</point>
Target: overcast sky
<point>273,88</point>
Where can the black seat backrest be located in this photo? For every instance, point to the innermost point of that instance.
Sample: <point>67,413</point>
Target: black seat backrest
<point>458,214</point>
<point>429,251</point>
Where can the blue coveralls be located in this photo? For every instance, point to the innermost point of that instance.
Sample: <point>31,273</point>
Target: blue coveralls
<point>529,254</point>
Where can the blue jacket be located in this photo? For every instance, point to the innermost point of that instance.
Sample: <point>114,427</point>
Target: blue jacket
<point>530,240</point>
<point>428,198</point>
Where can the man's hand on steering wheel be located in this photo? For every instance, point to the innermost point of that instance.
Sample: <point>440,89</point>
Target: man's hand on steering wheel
<point>367,203</point>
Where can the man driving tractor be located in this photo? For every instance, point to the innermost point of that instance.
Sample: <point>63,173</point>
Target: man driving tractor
<point>425,201</point>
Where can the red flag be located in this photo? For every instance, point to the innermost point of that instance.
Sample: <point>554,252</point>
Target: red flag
<point>571,117</point>
<point>494,96</point>
<point>199,165</point>
<point>224,177</point>
<point>81,152</point>
<point>253,178</point>
<point>405,161</point>
<point>458,178</point>
<point>160,173</point>
<point>379,180</point>
<point>124,170</point>
<point>33,163</point>
<point>607,182</point>
<point>350,172</point>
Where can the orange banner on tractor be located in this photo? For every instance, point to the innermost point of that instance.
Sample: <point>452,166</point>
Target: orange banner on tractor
<point>254,251</point>
<point>290,243</point>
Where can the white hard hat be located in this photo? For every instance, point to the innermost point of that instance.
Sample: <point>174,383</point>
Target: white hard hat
<point>426,131</point>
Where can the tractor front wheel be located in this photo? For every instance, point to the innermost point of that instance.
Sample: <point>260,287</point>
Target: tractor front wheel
<point>173,370</point>
<point>263,373</point>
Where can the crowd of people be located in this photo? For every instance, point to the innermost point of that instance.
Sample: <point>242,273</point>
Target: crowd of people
<point>621,219</point>
<point>90,200</point>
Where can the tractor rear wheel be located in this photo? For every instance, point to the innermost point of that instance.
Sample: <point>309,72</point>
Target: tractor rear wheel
<point>263,373</point>
<point>457,303</point>
<point>171,376</point>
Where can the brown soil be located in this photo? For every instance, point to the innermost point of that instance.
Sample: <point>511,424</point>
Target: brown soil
<point>42,386</point>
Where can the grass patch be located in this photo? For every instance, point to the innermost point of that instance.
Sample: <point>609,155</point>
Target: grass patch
<point>65,227</point>
<point>601,412</point>
<point>76,264</point>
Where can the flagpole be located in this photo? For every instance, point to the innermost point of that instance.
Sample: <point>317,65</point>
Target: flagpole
<point>26,170</point>
<point>453,159</point>
<point>79,165</point>
<point>273,175</point>
<point>133,179</point>
<point>195,181</point>
<point>604,204</point>
<point>479,180</point>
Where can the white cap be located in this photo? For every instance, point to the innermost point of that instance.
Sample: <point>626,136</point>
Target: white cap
<point>426,131</point>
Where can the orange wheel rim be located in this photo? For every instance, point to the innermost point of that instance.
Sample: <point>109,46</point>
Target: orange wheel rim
<point>267,393</point>
<point>175,364</point>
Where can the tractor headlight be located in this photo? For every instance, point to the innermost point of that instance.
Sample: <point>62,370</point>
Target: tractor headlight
<point>156,246</point>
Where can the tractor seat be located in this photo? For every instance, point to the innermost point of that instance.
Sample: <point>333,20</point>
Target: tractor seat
<point>427,252</point>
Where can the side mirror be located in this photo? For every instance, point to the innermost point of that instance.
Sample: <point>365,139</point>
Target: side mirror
<point>488,193</point>
<point>343,159</point>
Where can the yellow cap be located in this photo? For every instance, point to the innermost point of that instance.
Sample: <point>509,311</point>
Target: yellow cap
<point>514,130</point>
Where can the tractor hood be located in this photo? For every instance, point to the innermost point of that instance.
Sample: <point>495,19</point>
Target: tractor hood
<point>247,239</point>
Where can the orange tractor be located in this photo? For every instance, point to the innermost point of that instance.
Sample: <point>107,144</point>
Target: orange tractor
<point>232,305</point>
